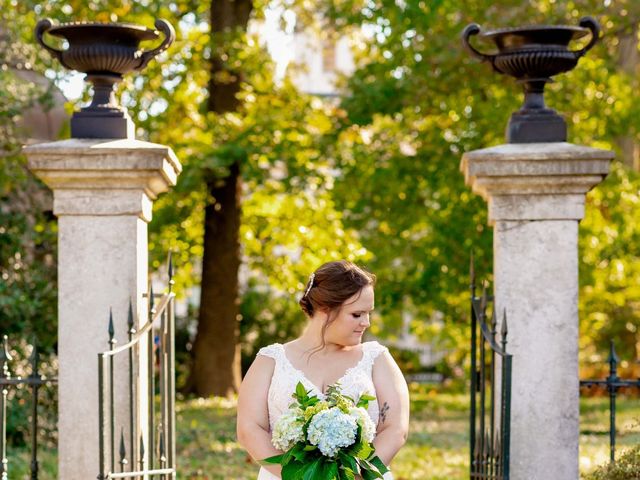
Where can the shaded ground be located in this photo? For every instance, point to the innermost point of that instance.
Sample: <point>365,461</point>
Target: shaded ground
<point>437,448</point>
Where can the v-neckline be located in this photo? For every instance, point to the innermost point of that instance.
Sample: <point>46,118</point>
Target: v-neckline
<point>304,376</point>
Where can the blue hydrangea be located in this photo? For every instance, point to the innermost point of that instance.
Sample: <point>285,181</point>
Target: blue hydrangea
<point>331,430</point>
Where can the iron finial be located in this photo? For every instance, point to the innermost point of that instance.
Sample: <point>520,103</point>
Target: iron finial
<point>130,323</point>
<point>613,356</point>
<point>151,300</point>
<point>35,359</point>
<point>170,269</point>
<point>505,329</point>
<point>141,450</point>
<point>123,449</point>
<point>111,329</point>
<point>163,457</point>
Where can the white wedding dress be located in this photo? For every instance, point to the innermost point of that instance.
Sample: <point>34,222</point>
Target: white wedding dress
<point>355,381</point>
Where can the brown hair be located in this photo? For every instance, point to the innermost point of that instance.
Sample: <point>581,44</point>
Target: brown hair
<point>330,286</point>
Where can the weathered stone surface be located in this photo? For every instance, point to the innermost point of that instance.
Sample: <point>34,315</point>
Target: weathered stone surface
<point>535,181</point>
<point>536,195</point>
<point>103,194</point>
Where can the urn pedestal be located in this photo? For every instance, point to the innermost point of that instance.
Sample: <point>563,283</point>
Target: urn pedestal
<point>105,52</point>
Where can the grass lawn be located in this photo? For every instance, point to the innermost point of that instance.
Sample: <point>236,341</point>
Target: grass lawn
<point>437,448</point>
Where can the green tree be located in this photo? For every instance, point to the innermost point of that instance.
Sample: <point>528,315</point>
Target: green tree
<point>213,98</point>
<point>27,230</point>
<point>417,101</point>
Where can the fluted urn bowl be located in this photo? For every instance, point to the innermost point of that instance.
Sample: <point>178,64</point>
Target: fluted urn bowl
<point>534,54</point>
<point>99,47</point>
<point>105,52</point>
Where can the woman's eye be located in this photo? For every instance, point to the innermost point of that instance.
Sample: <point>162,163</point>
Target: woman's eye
<point>357,315</point>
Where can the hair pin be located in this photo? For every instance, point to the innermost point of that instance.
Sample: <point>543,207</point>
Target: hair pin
<point>311,277</point>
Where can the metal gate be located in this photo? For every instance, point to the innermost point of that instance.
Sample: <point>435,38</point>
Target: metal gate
<point>159,444</point>
<point>490,415</point>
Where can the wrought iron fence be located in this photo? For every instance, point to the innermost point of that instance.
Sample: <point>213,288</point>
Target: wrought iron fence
<point>491,365</point>
<point>153,456</point>
<point>612,383</point>
<point>34,381</point>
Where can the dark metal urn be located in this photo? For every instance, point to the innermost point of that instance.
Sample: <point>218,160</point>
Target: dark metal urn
<point>533,55</point>
<point>105,52</point>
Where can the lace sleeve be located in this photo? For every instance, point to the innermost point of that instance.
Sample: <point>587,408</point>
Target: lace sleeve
<point>269,351</point>
<point>373,350</point>
<point>376,349</point>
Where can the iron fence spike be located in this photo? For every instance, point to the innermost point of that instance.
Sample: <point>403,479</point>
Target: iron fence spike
<point>151,299</point>
<point>35,358</point>
<point>613,356</point>
<point>130,317</point>
<point>123,448</point>
<point>141,448</point>
<point>161,442</point>
<point>111,328</point>
<point>505,328</point>
<point>170,266</point>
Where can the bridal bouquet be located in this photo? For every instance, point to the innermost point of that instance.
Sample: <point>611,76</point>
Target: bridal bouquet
<point>326,439</point>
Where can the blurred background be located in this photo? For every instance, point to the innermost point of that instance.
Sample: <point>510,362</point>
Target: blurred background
<point>315,130</point>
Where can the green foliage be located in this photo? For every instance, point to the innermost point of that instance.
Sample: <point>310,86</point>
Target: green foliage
<point>304,461</point>
<point>375,180</point>
<point>417,102</point>
<point>610,264</point>
<point>19,399</point>
<point>626,467</point>
<point>437,447</point>
<point>27,228</point>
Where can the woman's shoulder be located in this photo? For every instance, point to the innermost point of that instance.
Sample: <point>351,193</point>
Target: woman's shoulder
<point>372,350</point>
<point>374,347</point>
<point>273,351</point>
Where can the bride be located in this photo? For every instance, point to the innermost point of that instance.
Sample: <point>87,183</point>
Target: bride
<point>337,303</point>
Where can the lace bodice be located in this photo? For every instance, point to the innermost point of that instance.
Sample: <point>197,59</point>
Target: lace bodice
<point>356,380</point>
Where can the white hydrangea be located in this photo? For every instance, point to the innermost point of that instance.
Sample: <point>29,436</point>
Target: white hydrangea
<point>332,429</point>
<point>364,420</point>
<point>288,430</point>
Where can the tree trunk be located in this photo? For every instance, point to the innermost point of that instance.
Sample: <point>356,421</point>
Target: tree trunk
<point>216,354</point>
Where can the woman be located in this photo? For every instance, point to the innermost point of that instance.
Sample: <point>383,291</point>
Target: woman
<point>337,303</point>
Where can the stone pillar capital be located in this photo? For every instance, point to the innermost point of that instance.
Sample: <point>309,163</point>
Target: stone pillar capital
<point>104,177</point>
<point>535,181</point>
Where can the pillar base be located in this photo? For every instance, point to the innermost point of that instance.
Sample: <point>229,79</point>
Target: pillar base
<point>102,123</point>
<point>536,127</point>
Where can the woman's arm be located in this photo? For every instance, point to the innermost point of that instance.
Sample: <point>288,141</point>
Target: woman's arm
<point>252,425</point>
<point>393,400</point>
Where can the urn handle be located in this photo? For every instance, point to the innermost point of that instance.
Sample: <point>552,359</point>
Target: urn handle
<point>42,27</point>
<point>474,29</point>
<point>593,25</point>
<point>169,37</point>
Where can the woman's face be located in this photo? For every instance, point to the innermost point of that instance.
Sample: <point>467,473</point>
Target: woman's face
<point>353,319</point>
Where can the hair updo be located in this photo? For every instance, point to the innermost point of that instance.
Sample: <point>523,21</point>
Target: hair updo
<point>330,286</point>
<point>333,284</point>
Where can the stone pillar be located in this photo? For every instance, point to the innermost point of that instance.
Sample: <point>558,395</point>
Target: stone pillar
<point>536,195</point>
<point>103,194</point>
